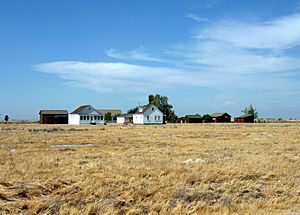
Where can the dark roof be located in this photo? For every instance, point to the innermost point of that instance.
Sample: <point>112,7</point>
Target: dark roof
<point>78,110</point>
<point>53,112</point>
<point>245,116</point>
<point>113,112</point>
<point>195,116</point>
<point>144,108</point>
<point>218,114</point>
<point>127,115</point>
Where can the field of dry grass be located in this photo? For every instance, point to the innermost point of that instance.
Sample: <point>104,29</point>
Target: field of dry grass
<point>172,169</point>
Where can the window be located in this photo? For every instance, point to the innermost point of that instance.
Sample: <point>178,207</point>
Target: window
<point>101,118</point>
<point>84,117</point>
<point>159,118</point>
<point>153,109</point>
<point>87,117</point>
<point>148,118</point>
<point>154,117</point>
<point>81,117</point>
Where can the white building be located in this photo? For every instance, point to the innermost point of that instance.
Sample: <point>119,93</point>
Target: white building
<point>85,115</point>
<point>125,119</point>
<point>148,114</point>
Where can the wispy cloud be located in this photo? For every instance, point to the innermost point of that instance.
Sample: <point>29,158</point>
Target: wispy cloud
<point>135,55</point>
<point>225,55</point>
<point>117,77</point>
<point>196,18</point>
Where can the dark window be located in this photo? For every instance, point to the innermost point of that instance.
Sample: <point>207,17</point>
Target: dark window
<point>152,109</point>
<point>84,117</point>
<point>87,117</point>
<point>101,117</point>
<point>81,118</point>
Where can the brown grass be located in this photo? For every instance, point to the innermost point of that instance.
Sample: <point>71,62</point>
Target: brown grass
<point>244,169</point>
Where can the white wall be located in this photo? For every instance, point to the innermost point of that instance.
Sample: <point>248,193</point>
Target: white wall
<point>89,121</point>
<point>120,119</point>
<point>155,116</point>
<point>138,119</point>
<point>73,119</point>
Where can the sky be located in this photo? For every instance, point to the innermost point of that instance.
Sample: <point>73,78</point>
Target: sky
<point>206,55</point>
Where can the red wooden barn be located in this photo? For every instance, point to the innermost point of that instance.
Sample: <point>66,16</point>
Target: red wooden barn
<point>221,117</point>
<point>54,117</point>
<point>249,118</point>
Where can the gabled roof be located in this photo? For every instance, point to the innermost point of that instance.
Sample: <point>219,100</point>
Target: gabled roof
<point>53,112</point>
<point>245,116</point>
<point>78,110</point>
<point>112,111</point>
<point>218,114</point>
<point>144,108</point>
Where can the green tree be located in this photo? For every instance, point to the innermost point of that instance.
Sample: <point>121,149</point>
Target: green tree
<point>162,102</point>
<point>206,118</point>
<point>107,117</point>
<point>250,110</point>
<point>6,118</point>
<point>133,110</point>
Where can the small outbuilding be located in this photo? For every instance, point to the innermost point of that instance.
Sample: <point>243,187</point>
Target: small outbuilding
<point>249,118</point>
<point>53,116</point>
<point>196,118</point>
<point>125,119</point>
<point>221,117</point>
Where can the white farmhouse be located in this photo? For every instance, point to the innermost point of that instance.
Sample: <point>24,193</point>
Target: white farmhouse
<point>148,114</point>
<point>85,115</point>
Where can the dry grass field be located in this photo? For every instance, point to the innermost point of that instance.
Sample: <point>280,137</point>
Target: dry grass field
<point>170,169</point>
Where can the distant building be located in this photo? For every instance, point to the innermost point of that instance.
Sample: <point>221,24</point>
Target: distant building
<point>86,115</point>
<point>249,118</point>
<point>114,113</point>
<point>125,119</point>
<point>196,118</point>
<point>221,117</point>
<point>53,116</point>
<point>148,114</point>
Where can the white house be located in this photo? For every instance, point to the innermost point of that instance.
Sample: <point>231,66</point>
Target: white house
<point>148,114</point>
<point>85,115</point>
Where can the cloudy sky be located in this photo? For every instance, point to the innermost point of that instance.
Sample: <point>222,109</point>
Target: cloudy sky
<point>205,55</point>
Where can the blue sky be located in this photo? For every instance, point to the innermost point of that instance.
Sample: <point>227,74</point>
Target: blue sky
<point>206,56</point>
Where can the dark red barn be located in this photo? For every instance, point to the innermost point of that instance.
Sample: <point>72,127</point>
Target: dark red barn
<point>221,117</point>
<point>249,118</point>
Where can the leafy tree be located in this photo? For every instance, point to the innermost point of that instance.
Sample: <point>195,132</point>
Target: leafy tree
<point>250,110</point>
<point>107,117</point>
<point>133,110</point>
<point>6,118</point>
<point>162,102</point>
<point>206,118</point>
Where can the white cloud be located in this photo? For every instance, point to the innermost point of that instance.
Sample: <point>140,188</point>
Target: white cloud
<point>196,18</point>
<point>135,55</point>
<point>226,55</point>
<point>117,77</point>
<point>281,33</point>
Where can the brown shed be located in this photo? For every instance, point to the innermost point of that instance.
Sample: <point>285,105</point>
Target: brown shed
<point>221,117</point>
<point>249,118</point>
<point>53,117</point>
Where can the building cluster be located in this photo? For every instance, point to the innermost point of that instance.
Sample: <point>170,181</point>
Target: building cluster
<point>147,114</point>
<point>87,114</point>
<point>217,118</point>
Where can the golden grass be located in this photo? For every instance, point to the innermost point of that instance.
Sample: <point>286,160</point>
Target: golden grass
<point>243,169</point>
